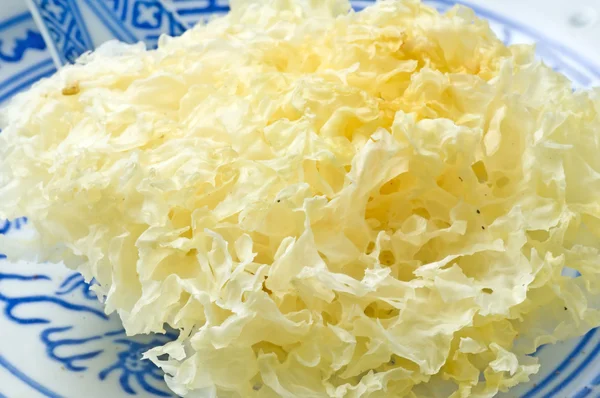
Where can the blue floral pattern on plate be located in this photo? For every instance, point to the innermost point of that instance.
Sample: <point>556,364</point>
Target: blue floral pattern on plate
<point>24,58</point>
<point>92,341</point>
<point>55,312</point>
<point>64,26</point>
<point>130,21</point>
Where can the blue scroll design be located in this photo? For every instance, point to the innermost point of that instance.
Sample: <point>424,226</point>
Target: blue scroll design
<point>76,354</point>
<point>64,27</point>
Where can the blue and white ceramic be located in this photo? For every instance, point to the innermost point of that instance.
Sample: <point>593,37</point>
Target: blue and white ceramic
<point>72,27</point>
<point>55,340</point>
